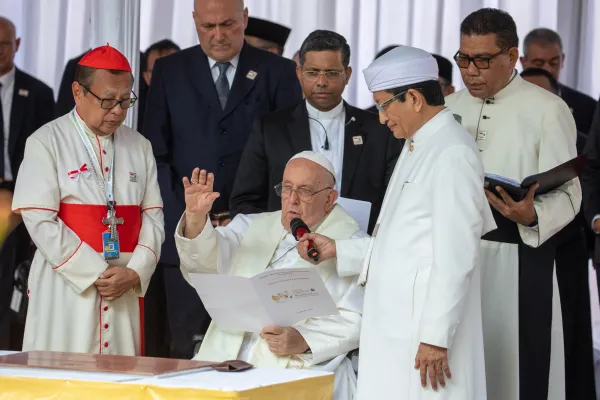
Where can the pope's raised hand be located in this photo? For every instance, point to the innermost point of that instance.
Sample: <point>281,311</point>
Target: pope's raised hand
<point>199,194</point>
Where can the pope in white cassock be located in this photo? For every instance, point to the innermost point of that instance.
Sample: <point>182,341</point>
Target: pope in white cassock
<point>88,193</point>
<point>251,244</point>
<point>520,130</point>
<point>421,332</point>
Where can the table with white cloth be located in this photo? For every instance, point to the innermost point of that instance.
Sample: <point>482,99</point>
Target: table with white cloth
<point>256,383</point>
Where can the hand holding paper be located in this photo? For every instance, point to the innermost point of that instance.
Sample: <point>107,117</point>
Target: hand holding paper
<point>284,341</point>
<point>278,297</point>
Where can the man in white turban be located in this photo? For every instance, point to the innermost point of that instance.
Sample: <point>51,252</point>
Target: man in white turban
<point>251,244</point>
<point>421,336</point>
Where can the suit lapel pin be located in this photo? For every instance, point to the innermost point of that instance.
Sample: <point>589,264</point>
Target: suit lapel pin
<point>251,75</point>
<point>132,177</point>
<point>23,92</point>
<point>357,140</point>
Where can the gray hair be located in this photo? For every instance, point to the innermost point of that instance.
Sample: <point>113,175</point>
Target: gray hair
<point>322,40</point>
<point>543,36</point>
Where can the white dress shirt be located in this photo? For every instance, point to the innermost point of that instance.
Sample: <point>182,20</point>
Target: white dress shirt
<point>6,96</point>
<point>214,69</point>
<point>332,122</point>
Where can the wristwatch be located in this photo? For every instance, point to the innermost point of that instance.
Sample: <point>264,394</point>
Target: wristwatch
<point>534,223</point>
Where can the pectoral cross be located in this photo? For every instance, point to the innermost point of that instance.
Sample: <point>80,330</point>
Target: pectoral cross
<point>112,221</point>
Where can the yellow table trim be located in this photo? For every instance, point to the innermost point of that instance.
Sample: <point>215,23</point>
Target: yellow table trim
<point>316,388</point>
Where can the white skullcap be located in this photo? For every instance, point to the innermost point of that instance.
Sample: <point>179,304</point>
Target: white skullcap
<point>317,158</point>
<point>399,67</point>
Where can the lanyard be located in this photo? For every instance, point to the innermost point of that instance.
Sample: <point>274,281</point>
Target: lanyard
<point>109,184</point>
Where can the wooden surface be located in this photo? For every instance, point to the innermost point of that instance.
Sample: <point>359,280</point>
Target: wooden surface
<point>100,363</point>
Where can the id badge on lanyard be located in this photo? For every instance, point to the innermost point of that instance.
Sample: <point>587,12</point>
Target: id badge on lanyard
<point>110,237</point>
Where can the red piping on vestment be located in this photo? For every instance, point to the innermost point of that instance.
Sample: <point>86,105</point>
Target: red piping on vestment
<point>100,153</point>
<point>151,208</point>
<point>71,256</point>
<point>18,210</point>
<point>146,247</point>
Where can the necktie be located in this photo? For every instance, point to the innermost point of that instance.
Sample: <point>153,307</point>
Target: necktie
<point>222,83</point>
<point>1,137</point>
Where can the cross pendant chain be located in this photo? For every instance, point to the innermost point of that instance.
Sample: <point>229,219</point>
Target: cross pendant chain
<point>112,221</point>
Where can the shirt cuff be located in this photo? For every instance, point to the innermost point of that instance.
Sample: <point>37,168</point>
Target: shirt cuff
<point>205,233</point>
<point>596,217</point>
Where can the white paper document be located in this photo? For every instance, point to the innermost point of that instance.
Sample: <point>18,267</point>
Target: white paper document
<point>276,297</point>
<point>358,209</point>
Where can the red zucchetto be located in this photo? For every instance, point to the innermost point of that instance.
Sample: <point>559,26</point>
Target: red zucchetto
<point>105,57</point>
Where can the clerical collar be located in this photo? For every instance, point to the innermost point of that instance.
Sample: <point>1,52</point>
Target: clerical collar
<point>511,87</point>
<point>87,130</point>
<point>234,61</point>
<point>335,112</point>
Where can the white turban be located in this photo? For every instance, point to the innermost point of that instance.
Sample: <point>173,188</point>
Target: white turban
<point>399,67</point>
<point>317,158</point>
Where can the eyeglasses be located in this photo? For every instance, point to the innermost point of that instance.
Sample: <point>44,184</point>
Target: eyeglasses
<point>330,75</point>
<point>109,104</point>
<point>381,107</point>
<point>463,60</point>
<point>304,194</point>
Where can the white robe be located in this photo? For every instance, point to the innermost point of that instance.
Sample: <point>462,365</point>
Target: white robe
<point>422,269</point>
<point>63,216</point>
<point>523,130</point>
<point>248,246</point>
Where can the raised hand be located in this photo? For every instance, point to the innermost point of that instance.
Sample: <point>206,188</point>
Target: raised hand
<point>199,198</point>
<point>199,195</point>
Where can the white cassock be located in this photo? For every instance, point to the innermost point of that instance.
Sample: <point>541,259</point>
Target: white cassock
<point>62,204</point>
<point>422,268</point>
<point>521,131</point>
<point>251,244</point>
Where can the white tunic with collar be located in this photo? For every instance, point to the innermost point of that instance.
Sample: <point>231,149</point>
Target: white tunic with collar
<point>422,269</point>
<point>251,244</point>
<point>62,205</point>
<point>521,131</point>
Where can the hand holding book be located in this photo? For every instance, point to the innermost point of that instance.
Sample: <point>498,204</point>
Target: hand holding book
<point>522,212</point>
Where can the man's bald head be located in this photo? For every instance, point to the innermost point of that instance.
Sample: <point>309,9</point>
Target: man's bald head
<point>7,24</point>
<point>240,3</point>
<point>220,25</point>
<point>9,45</point>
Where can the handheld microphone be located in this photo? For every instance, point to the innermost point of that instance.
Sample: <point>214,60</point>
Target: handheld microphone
<point>299,228</point>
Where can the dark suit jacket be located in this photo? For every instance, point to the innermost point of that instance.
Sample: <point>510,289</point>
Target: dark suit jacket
<point>32,107</point>
<point>366,171</point>
<point>590,182</point>
<point>65,101</point>
<point>188,129</point>
<point>582,106</point>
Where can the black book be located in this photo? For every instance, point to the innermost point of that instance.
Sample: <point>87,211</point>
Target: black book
<point>548,181</point>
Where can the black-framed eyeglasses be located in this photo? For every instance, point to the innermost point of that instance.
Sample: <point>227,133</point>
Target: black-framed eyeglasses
<point>463,60</point>
<point>304,194</point>
<point>109,104</point>
<point>381,107</point>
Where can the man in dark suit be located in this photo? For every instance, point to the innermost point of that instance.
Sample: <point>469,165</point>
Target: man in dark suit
<point>590,184</point>
<point>543,48</point>
<point>572,275</point>
<point>362,151</point>
<point>199,113</point>
<point>25,105</point>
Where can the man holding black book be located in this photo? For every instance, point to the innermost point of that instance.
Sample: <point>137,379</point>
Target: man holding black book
<point>521,130</point>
